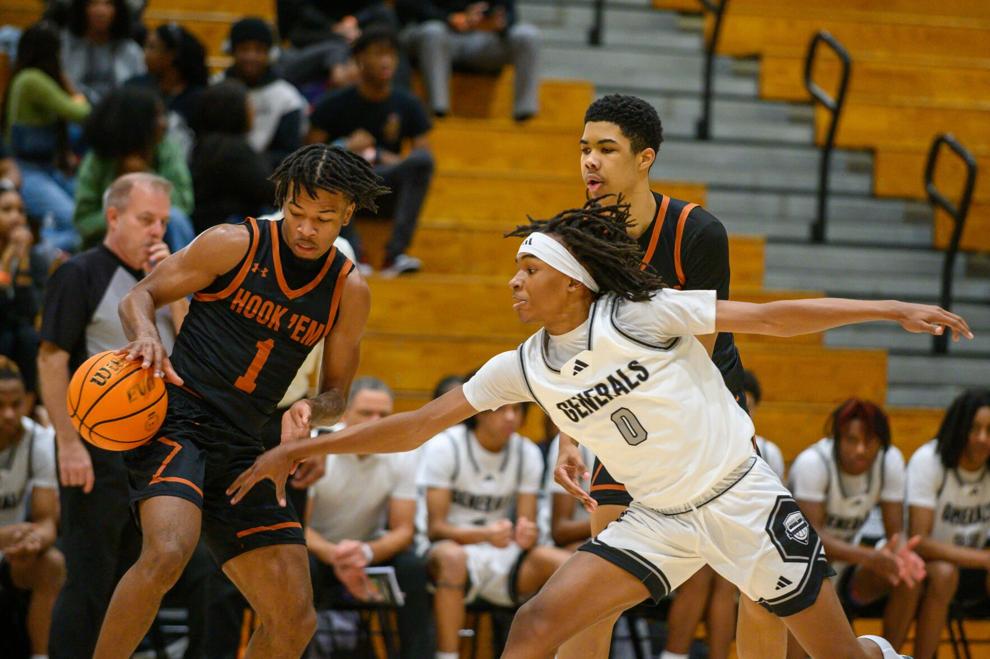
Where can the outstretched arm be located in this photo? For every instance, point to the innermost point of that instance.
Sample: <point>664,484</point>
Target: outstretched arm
<point>394,434</point>
<point>794,317</point>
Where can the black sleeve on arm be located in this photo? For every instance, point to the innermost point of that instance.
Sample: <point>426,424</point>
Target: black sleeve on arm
<point>705,253</point>
<point>416,122</point>
<point>67,308</point>
<point>286,138</point>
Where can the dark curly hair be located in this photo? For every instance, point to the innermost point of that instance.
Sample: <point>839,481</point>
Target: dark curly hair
<point>125,122</point>
<point>188,53</point>
<point>596,234</point>
<point>222,108</point>
<point>322,167</point>
<point>636,118</point>
<point>953,434</point>
<point>120,28</point>
<point>875,421</point>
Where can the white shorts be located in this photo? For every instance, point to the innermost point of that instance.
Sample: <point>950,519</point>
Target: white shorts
<point>752,533</point>
<point>492,573</point>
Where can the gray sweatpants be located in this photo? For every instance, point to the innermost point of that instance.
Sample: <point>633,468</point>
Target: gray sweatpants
<point>438,49</point>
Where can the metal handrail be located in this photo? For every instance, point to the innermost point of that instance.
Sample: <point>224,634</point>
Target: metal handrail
<point>834,106</point>
<point>703,129</point>
<point>597,30</point>
<point>940,344</point>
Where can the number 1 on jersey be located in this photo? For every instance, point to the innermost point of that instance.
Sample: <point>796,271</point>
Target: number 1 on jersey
<point>248,381</point>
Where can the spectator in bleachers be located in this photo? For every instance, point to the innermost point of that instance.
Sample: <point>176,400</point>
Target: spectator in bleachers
<point>321,33</point>
<point>230,180</point>
<point>769,451</point>
<point>23,271</point>
<point>375,120</point>
<point>362,513</point>
<point>37,105</point>
<point>837,482</point>
<point>474,475</point>
<point>948,494</point>
<point>475,36</point>
<point>99,537</point>
<point>279,111</point>
<point>29,561</point>
<point>176,63</point>
<point>126,133</point>
<point>98,53</point>
<point>566,519</point>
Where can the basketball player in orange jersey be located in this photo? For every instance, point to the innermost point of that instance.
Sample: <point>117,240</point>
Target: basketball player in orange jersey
<point>689,248</point>
<point>264,293</point>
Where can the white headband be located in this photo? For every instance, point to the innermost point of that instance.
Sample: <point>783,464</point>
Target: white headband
<point>557,257</point>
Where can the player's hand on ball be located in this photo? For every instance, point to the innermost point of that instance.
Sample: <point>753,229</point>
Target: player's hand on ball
<point>152,354</point>
<point>500,533</point>
<point>925,318</point>
<point>75,467</point>
<point>526,533</point>
<point>571,470</point>
<point>275,465</point>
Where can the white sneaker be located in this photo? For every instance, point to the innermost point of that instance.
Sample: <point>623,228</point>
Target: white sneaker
<point>888,650</point>
<point>403,264</point>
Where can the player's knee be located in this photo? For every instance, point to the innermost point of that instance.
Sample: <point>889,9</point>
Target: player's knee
<point>292,618</point>
<point>51,570</point>
<point>942,579</point>
<point>448,562</point>
<point>534,620</point>
<point>164,559</point>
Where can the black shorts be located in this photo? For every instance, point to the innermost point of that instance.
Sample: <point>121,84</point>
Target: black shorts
<point>607,491</point>
<point>196,455</point>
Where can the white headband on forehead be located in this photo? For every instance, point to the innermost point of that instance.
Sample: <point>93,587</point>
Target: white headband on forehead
<point>557,257</point>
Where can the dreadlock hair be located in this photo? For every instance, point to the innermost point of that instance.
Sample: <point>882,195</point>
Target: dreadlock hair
<point>637,119</point>
<point>596,235</point>
<point>9,370</point>
<point>322,167</point>
<point>953,434</point>
<point>874,419</point>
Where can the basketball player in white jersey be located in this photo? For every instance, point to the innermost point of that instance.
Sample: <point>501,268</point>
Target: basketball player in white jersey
<point>948,498</point>
<point>616,365</point>
<point>837,481</point>
<point>474,474</point>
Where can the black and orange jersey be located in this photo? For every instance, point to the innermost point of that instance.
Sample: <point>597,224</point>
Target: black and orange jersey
<point>248,333</point>
<point>689,248</point>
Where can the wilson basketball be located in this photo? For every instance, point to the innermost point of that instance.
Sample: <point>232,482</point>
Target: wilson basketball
<point>114,403</point>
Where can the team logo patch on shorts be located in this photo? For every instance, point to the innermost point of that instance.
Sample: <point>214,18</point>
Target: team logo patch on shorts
<point>790,531</point>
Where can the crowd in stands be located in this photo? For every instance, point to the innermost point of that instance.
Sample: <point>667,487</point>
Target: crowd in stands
<point>118,148</point>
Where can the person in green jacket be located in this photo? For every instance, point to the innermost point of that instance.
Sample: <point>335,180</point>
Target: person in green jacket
<point>37,104</point>
<point>126,133</point>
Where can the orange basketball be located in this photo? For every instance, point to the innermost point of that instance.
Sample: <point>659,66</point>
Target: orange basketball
<point>114,403</point>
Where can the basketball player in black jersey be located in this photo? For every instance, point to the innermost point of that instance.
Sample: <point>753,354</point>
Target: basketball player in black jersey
<point>689,248</point>
<point>264,293</point>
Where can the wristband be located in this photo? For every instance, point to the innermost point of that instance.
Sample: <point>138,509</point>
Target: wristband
<point>369,554</point>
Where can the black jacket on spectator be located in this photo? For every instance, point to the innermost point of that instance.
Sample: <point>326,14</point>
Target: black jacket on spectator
<point>305,22</point>
<point>399,117</point>
<point>230,180</point>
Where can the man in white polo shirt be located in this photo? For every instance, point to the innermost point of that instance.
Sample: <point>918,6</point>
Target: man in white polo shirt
<point>362,512</point>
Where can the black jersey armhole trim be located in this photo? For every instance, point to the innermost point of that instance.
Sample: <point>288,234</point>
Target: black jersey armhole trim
<point>522,367</point>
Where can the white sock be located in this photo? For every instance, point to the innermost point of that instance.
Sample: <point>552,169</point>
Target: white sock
<point>448,655</point>
<point>667,654</point>
<point>888,650</point>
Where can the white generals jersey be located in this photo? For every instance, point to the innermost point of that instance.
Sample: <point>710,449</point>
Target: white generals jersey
<point>27,464</point>
<point>960,498</point>
<point>483,485</point>
<point>848,499</point>
<point>656,413</point>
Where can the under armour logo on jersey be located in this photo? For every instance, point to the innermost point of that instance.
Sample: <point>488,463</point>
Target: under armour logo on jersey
<point>579,366</point>
<point>264,271</point>
<point>783,582</point>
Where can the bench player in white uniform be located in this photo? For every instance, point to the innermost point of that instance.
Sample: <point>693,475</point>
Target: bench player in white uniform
<point>29,560</point>
<point>948,498</point>
<point>474,474</point>
<point>837,481</point>
<point>616,366</point>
